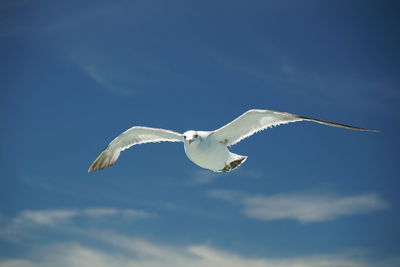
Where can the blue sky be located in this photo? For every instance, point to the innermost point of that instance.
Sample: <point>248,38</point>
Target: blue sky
<point>75,74</point>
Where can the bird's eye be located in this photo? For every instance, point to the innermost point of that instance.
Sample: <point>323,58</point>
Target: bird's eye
<point>196,135</point>
<point>184,137</point>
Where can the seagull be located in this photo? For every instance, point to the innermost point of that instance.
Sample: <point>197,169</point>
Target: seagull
<point>207,149</point>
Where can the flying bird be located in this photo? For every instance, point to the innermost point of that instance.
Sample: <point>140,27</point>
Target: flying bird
<point>207,149</point>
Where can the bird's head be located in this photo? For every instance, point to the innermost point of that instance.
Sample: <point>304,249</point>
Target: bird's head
<point>191,137</point>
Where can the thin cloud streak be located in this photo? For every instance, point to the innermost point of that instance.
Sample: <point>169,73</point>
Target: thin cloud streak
<point>105,81</point>
<point>47,217</point>
<point>305,208</point>
<point>53,217</point>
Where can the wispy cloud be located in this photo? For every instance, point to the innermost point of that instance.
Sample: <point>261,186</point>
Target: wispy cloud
<point>47,217</point>
<point>283,72</point>
<point>203,177</point>
<point>24,222</point>
<point>55,216</point>
<point>17,227</point>
<point>100,247</point>
<point>305,208</point>
<point>106,79</point>
<point>129,251</point>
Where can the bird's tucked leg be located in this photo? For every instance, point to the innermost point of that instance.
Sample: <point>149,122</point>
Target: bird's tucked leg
<point>233,164</point>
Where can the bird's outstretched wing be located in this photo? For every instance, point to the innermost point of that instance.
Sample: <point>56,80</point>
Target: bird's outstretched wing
<point>133,136</point>
<point>256,120</point>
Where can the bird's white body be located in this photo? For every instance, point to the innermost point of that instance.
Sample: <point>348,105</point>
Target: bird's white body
<point>208,152</point>
<point>208,149</point>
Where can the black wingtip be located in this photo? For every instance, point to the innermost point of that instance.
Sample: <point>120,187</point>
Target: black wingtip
<point>340,125</point>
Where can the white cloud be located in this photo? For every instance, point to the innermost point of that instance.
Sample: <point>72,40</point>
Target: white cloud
<point>305,208</point>
<point>48,217</point>
<point>98,248</point>
<point>24,223</point>
<point>128,251</point>
<point>94,212</point>
<point>53,217</point>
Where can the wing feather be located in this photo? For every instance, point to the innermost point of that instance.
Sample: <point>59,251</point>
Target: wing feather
<point>256,120</point>
<point>133,136</point>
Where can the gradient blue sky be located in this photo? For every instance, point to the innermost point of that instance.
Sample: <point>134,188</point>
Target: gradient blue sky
<point>75,74</point>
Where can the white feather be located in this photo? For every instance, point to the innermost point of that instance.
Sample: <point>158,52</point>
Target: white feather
<point>133,136</point>
<point>256,120</point>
